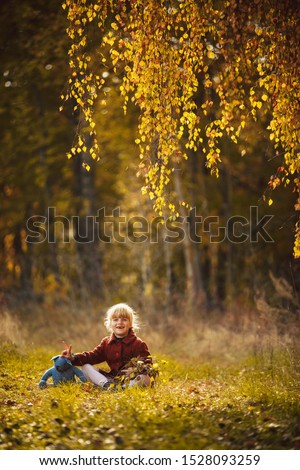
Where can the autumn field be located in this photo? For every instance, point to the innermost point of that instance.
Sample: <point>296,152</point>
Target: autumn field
<point>247,401</point>
<point>150,155</point>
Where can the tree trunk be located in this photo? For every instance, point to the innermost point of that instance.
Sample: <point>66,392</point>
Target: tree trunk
<point>85,231</point>
<point>194,284</point>
<point>23,264</point>
<point>51,261</point>
<point>226,254</point>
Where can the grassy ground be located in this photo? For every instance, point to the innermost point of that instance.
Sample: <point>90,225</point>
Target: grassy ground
<point>252,405</point>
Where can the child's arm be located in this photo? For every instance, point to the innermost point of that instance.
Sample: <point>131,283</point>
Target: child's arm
<point>96,356</point>
<point>43,381</point>
<point>79,374</point>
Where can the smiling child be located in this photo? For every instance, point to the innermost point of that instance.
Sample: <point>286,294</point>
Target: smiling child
<point>117,349</point>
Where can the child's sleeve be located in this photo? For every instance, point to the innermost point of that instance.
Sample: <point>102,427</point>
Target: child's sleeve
<point>142,351</point>
<point>43,381</point>
<point>96,356</point>
<point>79,374</point>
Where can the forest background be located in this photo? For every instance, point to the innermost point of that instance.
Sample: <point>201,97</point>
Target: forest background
<point>223,295</point>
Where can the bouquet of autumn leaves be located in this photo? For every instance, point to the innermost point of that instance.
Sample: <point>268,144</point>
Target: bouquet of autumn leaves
<point>137,367</point>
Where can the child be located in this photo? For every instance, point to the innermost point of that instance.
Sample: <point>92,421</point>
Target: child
<point>117,349</point>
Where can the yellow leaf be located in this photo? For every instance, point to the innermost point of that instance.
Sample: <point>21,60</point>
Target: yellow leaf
<point>86,166</point>
<point>264,97</point>
<point>270,202</point>
<point>211,54</point>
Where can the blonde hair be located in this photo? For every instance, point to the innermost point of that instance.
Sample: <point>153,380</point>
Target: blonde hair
<point>121,310</point>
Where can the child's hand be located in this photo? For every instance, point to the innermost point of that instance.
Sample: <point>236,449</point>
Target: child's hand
<point>68,351</point>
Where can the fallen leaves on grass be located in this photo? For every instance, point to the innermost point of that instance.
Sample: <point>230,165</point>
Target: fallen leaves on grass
<point>196,406</point>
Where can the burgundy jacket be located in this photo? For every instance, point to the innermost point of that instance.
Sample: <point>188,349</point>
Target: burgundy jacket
<point>116,352</point>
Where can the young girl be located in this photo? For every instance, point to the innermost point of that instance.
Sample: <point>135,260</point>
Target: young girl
<point>117,349</point>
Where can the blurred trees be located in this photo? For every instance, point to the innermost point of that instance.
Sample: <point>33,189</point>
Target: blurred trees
<point>30,143</point>
<point>104,240</point>
<point>34,175</point>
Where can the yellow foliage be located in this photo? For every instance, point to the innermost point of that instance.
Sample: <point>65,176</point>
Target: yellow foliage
<point>211,55</point>
<point>170,55</point>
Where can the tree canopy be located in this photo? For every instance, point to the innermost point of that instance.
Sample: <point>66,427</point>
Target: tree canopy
<point>56,217</point>
<point>199,72</point>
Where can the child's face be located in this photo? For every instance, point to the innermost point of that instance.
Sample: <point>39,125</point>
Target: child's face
<point>120,326</point>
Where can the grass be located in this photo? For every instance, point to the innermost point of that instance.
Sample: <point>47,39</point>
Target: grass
<point>194,405</point>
